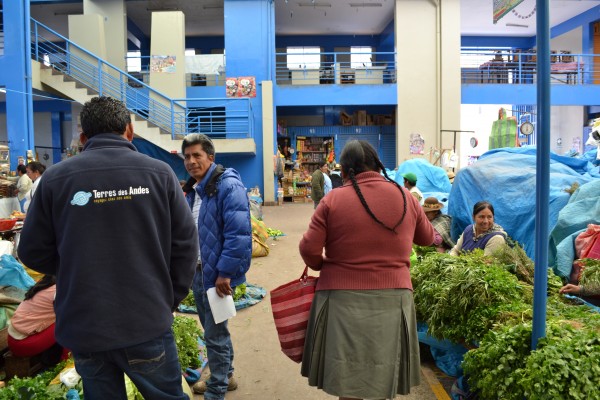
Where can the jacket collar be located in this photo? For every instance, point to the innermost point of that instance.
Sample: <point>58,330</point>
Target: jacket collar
<point>104,140</point>
<point>200,185</point>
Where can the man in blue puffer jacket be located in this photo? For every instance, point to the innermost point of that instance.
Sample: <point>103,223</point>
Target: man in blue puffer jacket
<point>221,211</point>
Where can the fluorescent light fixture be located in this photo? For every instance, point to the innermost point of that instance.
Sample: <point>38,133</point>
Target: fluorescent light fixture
<point>517,25</point>
<point>365,5</point>
<point>163,9</point>
<point>67,13</point>
<point>314,4</point>
<point>2,90</point>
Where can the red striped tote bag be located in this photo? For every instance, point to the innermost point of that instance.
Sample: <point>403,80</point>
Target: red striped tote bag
<point>291,308</point>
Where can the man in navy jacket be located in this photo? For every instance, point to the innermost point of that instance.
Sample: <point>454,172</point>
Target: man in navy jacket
<point>114,227</point>
<point>221,210</point>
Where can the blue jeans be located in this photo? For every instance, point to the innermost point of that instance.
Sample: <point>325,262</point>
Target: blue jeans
<point>152,366</point>
<point>218,344</point>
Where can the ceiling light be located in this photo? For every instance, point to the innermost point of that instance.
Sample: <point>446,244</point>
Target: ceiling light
<point>314,4</point>
<point>162,9</point>
<point>365,5</point>
<point>517,25</point>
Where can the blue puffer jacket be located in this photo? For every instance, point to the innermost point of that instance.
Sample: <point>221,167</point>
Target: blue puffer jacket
<point>225,231</point>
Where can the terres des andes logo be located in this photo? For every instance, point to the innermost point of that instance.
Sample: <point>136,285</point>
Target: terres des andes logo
<point>82,198</point>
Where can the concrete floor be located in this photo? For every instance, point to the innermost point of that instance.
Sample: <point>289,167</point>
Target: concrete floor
<point>261,369</point>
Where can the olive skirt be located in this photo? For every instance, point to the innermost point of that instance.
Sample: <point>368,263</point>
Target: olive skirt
<point>362,343</point>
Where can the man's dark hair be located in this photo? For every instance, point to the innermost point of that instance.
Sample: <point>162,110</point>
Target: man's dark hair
<point>35,166</point>
<point>104,115</point>
<point>22,169</point>
<point>198,138</point>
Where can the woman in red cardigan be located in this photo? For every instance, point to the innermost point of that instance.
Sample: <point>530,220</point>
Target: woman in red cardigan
<point>361,340</point>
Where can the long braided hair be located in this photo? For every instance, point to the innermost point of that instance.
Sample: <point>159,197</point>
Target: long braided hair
<point>44,283</point>
<point>359,156</point>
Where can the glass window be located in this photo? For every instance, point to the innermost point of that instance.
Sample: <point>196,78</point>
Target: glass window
<point>304,57</point>
<point>361,57</point>
<point>134,61</point>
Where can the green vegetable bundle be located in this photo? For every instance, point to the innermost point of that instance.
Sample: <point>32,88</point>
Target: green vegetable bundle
<point>566,364</point>
<point>186,332</point>
<point>460,298</point>
<point>36,387</point>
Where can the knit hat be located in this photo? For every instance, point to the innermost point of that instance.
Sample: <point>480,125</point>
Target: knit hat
<point>412,178</point>
<point>432,204</point>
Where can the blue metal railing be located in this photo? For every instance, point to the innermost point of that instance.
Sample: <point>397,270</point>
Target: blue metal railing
<point>520,67</point>
<point>171,115</point>
<point>220,118</point>
<point>335,68</point>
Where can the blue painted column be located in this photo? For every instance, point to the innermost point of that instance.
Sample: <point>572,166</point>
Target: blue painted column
<point>540,281</point>
<point>19,103</point>
<point>250,51</point>
<point>56,119</point>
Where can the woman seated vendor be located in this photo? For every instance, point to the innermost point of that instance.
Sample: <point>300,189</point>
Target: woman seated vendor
<point>31,329</point>
<point>482,234</point>
<point>441,223</point>
<point>592,289</point>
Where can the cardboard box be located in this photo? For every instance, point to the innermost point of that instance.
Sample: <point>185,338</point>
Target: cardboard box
<point>360,117</point>
<point>345,119</point>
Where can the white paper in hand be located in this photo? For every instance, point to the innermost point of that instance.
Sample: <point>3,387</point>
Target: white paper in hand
<point>222,308</point>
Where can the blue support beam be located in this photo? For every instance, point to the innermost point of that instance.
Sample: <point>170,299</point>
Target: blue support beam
<point>56,119</point>
<point>17,79</point>
<point>540,280</point>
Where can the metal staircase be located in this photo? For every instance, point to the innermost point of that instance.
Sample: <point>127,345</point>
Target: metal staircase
<point>68,70</point>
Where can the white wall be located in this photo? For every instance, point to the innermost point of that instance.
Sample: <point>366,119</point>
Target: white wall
<point>566,123</point>
<point>477,118</point>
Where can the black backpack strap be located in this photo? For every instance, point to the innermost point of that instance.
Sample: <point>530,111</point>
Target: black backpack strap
<point>211,186</point>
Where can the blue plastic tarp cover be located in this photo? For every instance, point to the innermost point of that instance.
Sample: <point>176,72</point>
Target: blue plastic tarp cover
<point>507,179</point>
<point>430,178</point>
<point>12,273</point>
<point>448,356</point>
<point>582,209</point>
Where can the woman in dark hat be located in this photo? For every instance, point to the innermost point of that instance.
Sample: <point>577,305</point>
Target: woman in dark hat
<point>362,325</point>
<point>441,223</point>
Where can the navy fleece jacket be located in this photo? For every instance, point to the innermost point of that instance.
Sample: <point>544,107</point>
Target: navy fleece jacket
<point>114,227</point>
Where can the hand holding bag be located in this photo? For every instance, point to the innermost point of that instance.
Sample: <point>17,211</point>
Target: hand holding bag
<point>291,308</point>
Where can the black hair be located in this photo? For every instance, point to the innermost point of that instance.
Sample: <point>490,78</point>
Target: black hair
<point>35,166</point>
<point>104,115</point>
<point>44,283</point>
<point>201,139</point>
<point>482,205</point>
<point>359,156</point>
<point>22,169</point>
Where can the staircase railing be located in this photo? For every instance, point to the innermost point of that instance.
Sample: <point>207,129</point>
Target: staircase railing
<point>172,115</point>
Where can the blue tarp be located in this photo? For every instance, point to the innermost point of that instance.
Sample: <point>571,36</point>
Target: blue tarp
<point>582,209</point>
<point>448,356</point>
<point>174,160</point>
<point>429,177</point>
<point>506,178</point>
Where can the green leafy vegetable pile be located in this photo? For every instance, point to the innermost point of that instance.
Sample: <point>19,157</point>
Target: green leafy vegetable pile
<point>240,291</point>
<point>36,387</point>
<point>488,300</point>
<point>186,332</point>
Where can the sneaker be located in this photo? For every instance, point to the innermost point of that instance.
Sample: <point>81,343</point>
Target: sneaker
<point>200,386</point>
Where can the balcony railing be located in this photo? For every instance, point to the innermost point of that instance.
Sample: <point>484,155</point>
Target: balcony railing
<point>519,67</point>
<point>336,69</point>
